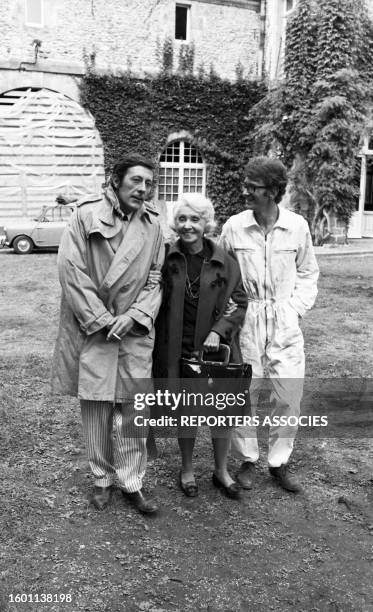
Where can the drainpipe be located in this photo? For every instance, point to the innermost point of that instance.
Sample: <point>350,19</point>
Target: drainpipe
<point>37,44</point>
<point>263,35</point>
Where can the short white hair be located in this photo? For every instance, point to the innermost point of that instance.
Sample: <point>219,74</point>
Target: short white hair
<point>199,204</point>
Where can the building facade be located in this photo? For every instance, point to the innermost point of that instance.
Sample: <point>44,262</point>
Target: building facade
<point>129,35</point>
<point>361,225</point>
<point>49,145</point>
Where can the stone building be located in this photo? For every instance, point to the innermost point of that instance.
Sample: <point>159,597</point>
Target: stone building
<point>48,143</point>
<point>361,224</point>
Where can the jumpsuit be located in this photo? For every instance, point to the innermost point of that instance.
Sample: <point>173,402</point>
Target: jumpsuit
<point>279,273</point>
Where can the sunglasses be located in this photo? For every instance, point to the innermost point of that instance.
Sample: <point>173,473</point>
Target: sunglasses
<point>252,187</point>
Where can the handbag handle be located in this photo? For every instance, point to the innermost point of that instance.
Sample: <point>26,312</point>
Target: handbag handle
<point>227,353</point>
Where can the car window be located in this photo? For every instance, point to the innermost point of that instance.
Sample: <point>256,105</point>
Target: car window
<point>46,214</point>
<point>55,213</point>
<point>65,213</point>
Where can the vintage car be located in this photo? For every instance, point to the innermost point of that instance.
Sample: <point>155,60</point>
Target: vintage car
<point>25,235</point>
<point>2,237</point>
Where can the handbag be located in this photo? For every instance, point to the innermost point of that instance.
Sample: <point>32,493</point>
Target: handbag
<point>212,373</point>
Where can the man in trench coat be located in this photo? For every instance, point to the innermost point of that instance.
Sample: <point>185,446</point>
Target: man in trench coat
<point>110,297</point>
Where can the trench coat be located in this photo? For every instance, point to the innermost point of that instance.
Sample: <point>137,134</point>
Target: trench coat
<point>99,283</point>
<point>220,281</point>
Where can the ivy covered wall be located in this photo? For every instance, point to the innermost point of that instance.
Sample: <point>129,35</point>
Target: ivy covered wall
<point>139,115</point>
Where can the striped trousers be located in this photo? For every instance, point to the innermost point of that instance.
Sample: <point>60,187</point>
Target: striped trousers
<point>129,453</point>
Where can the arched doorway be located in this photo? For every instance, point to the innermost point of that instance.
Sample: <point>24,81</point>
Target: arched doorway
<point>49,146</point>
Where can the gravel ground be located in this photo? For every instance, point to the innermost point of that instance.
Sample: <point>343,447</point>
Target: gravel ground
<point>271,551</point>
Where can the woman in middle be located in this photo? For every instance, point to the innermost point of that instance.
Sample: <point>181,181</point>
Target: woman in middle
<point>204,304</point>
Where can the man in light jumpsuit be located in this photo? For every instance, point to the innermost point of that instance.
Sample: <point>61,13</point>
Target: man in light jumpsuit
<point>279,270</point>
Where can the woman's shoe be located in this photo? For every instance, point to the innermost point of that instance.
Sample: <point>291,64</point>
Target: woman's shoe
<point>190,489</point>
<point>232,491</point>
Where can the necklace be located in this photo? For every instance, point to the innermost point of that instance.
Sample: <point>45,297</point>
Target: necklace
<point>194,294</point>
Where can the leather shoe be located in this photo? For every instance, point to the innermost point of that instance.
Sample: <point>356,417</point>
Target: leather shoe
<point>283,478</point>
<point>232,491</point>
<point>246,474</point>
<point>139,501</point>
<point>190,489</point>
<point>101,497</point>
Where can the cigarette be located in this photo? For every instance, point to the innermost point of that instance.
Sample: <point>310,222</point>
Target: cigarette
<point>117,337</point>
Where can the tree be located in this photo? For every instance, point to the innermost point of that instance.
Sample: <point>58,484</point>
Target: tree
<point>317,114</point>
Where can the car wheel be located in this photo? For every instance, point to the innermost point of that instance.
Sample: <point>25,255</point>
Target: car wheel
<point>23,245</point>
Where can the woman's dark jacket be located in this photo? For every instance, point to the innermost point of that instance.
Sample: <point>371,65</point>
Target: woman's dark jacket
<point>220,280</point>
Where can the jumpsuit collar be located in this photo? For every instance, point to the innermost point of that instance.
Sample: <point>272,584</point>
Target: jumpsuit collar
<point>283,220</point>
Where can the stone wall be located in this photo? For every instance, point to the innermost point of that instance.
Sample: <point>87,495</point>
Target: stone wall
<point>130,34</point>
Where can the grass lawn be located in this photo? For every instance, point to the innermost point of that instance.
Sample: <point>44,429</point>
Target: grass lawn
<point>271,551</point>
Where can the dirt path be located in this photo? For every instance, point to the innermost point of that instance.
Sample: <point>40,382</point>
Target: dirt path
<point>271,551</point>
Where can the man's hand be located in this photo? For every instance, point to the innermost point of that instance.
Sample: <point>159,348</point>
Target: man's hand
<point>230,308</point>
<point>212,342</point>
<point>121,326</point>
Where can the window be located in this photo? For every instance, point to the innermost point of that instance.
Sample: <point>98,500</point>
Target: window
<point>182,22</point>
<point>34,12</point>
<point>368,204</point>
<point>181,169</point>
<point>290,5</point>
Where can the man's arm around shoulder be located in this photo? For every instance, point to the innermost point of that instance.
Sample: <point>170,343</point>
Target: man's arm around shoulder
<point>146,306</point>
